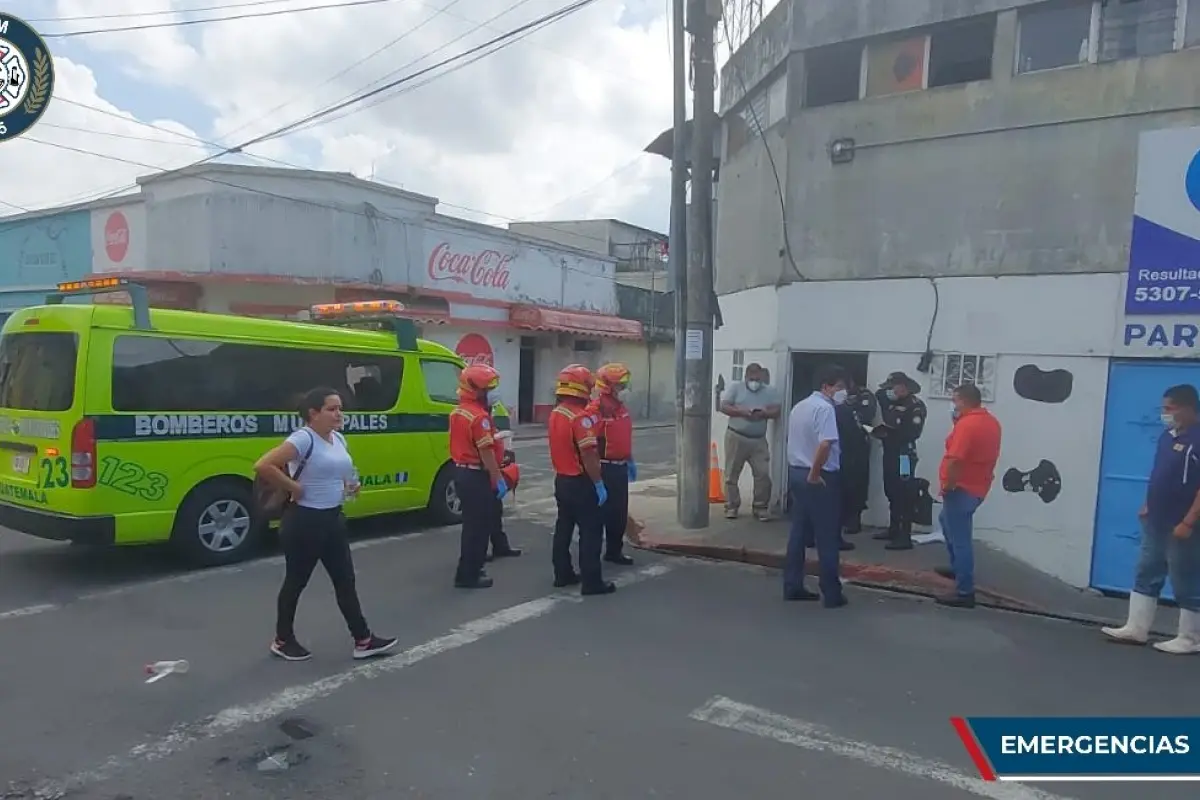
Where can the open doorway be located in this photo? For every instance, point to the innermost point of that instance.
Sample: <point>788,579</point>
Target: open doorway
<point>805,366</point>
<point>526,369</point>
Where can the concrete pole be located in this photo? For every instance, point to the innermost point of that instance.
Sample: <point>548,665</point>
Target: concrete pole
<point>694,448</point>
<point>677,248</point>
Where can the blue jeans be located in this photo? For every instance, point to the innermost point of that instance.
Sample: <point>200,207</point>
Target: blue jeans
<point>1162,555</point>
<point>956,519</point>
<point>816,522</point>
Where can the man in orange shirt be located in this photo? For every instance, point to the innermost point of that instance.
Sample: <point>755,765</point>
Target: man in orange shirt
<point>477,477</point>
<point>578,485</point>
<point>966,473</point>
<point>617,467</point>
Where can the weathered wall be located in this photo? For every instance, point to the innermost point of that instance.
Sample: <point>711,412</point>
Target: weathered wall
<point>764,49</point>
<point>830,21</point>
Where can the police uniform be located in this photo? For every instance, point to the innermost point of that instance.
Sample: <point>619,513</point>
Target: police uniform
<point>858,410</point>
<point>472,431</point>
<point>571,431</point>
<point>904,419</point>
<point>615,443</point>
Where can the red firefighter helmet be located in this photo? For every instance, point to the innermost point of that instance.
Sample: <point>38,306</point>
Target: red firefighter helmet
<point>610,377</point>
<point>575,380</point>
<point>476,379</point>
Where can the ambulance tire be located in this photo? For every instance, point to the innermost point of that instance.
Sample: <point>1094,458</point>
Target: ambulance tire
<point>222,506</point>
<point>444,505</point>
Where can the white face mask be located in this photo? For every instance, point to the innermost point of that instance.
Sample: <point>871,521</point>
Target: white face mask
<point>1168,421</point>
<point>620,392</point>
<point>754,386</point>
<point>839,396</point>
<point>492,398</point>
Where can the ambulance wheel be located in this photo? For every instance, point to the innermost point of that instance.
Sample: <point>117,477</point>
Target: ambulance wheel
<point>215,525</point>
<point>444,502</point>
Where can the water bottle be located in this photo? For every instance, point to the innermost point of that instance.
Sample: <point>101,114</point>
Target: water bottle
<point>351,487</point>
<point>161,669</point>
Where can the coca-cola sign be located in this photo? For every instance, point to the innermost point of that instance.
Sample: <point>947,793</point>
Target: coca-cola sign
<point>483,268</point>
<point>116,237</point>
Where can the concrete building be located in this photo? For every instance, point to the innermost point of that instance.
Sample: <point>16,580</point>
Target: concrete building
<point>958,186</point>
<point>643,293</point>
<point>273,242</point>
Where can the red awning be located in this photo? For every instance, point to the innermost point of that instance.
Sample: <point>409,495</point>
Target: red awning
<point>536,318</point>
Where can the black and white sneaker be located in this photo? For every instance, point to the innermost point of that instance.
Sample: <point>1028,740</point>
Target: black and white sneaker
<point>290,650</point>
<point>375,646</point>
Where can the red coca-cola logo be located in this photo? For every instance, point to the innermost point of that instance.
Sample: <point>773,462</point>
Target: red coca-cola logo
<point>475,349</point>
<point>116,237</point>
<point>484,268</point>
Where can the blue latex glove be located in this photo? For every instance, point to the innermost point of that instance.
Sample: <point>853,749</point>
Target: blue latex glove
<point>601,493</point>
<point>501,489</point>
<point>632,470</point>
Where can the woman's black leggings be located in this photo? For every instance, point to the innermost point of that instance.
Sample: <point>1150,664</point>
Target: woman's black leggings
<point>309,536</point>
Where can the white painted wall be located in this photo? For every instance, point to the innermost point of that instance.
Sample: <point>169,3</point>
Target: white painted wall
<point>506,353</point>
<point>1072,322</point>
<point>119,238</point>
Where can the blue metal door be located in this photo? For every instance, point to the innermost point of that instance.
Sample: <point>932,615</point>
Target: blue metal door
<point>1131,429</point>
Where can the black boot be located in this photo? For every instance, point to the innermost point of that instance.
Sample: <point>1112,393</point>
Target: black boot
<point>854,525</point>
<point>891,533</point>
<point>903,539</point>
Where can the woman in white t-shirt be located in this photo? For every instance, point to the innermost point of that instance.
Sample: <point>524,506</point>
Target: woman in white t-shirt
<point>313,528</point>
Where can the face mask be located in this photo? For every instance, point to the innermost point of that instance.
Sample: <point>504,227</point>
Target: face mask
<point>620,392</point>
<point>891,395</point>
<point>955,414</point>
<point>839,396</point>
<point>754,386</point>
<point>492,398</point>
<point>1168,421</point>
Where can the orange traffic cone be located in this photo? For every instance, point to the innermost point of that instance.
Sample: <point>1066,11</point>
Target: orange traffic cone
<point>716,485</point>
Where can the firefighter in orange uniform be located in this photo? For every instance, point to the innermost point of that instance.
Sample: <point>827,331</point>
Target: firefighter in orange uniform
<point>477,476</point>
<point>617,467</point>
<point>578,486</point>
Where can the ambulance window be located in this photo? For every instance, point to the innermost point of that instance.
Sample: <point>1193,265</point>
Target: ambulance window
<point>441,380</point>
<point>37,371</point>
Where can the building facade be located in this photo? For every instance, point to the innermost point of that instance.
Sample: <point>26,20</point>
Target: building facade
<point>273,242</point>
<point>959,184</point>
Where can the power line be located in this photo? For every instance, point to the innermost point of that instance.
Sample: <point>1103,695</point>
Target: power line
<point>161,12</point>
<point>125,136</point>
<point>179,23</point>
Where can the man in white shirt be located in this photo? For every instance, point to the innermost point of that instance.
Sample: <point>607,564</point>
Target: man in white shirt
<point>814,474</point>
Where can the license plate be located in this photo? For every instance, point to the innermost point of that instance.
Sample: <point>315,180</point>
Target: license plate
<point>20,463</point>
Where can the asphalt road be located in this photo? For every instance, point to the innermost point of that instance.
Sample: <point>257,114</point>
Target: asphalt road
<point>693,681</point>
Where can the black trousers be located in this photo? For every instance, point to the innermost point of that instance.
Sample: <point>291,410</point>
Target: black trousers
<point>616,508</point>
<point>480,521</point>
<point>498,537</point>
<point>310,536</point>
<point>577,508</point>
<point>856,483</point>
<point>900,491</point>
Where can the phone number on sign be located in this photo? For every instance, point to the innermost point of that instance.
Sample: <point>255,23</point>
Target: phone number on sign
<point>1166,294</point>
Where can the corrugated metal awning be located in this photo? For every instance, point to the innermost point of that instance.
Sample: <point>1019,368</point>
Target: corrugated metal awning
<point>536,318</point>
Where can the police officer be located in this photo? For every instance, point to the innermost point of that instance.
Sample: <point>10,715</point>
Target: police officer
<point>903,419</point>
<point>477,477</point>
<point>578,484</point>
<point>617,467</point>
<point>858,411</point>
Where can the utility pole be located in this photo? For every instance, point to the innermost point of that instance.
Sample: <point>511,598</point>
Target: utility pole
<point>694,447</point>
<point>677,247</point>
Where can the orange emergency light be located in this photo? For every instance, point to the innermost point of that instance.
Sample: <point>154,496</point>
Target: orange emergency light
<point>364,308</point>
<point>91,284</point>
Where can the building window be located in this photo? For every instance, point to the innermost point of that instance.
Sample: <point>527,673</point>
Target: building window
<point>951,370</point>
<point>441,380</point>
<point>1135,28</point>
<point>832,74</point>
<point>766,108</point>
<point>896,66</point>
<point>739,366</point>
<point>1054,35</point>
<point>961,52</point>
<point>154,373</point>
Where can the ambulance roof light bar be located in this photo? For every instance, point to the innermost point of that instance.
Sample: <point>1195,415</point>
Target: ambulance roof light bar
<point>386,313</point>
<point>139,298</point>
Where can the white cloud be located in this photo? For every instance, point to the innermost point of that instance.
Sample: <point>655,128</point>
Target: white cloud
<point>549,118</point>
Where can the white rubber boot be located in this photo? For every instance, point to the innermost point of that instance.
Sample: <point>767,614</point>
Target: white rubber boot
<point>1188,639</point>
<point>1136,629</point>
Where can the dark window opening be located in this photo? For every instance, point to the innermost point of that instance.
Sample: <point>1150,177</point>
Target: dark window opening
<point>37,371</point>
<point>832,74</point>
<point>441,380</point>
<point>1054,35</point>
<point>153,373</point>
<point>961,52</point>
<point>1133,28</point>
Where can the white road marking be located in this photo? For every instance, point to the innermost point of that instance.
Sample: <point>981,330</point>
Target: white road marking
<point>199,575</point>
<point>726,713</point>
<point>288,700</point>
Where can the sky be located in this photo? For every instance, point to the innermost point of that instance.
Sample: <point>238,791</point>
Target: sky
<point>552,127</point>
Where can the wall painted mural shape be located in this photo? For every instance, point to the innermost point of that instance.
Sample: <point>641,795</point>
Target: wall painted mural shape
<point>1043,480</point>
<point>45,250</point>
<point>1033,383</point>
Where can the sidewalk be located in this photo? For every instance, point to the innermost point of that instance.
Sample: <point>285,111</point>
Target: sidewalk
<point>537,430</point>
<point>1004,582</point>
